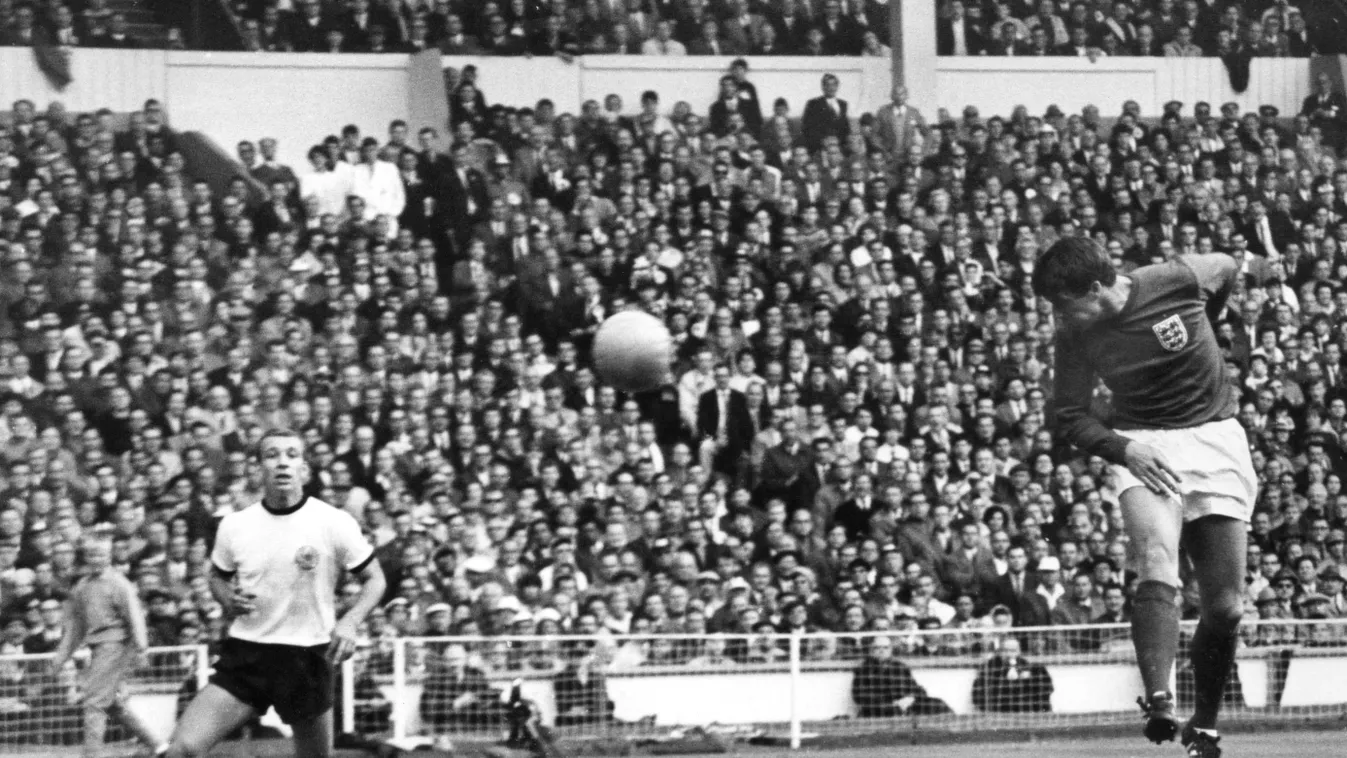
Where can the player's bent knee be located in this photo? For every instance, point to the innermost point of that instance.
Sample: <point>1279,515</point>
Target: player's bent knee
<point>1225,613</point>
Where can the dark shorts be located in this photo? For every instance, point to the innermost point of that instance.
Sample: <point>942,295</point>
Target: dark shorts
<point>296,681</point>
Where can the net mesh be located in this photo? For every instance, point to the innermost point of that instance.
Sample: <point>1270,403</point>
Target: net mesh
<point>41,711</point>
<point>954,680</point>
<point>658,686</point>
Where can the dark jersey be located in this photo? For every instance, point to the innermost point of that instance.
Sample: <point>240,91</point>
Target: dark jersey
<point>1158,357</point>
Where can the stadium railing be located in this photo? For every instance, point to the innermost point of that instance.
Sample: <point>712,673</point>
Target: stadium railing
<point>40,707</point>
<point>788,687</point>
<point>777,687</point>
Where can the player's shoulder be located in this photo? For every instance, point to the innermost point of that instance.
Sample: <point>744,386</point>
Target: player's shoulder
<point>1161,280</point>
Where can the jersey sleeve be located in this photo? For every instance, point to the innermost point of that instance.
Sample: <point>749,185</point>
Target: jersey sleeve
<point>1075,391</point>
<point>1216,274</point>
<point>222,556</point>
<point>353,550</point>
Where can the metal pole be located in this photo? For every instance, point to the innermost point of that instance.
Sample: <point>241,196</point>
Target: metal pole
<point>202,667</point>
<point>399,688</point>
<point>896,40</point>
<point>795,728</point>
<point>347,697</point>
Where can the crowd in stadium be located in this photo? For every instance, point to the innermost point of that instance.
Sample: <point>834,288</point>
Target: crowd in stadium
<point>859,438</point>
<point>566,28</point>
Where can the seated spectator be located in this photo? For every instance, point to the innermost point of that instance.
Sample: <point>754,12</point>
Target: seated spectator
<point>883,686</point>
<point>1009,683</point>
<point>457,696</point>
<point>581,689</point>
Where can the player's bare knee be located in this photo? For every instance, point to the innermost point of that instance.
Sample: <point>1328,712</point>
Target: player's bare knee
<point>1157,562</point>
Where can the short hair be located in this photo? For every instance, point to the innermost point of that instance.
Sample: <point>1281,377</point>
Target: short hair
<point>1070,267</point>
<point>280,431</point>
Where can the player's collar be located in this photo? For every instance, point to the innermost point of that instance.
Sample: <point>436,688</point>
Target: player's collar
<point>285,511</point>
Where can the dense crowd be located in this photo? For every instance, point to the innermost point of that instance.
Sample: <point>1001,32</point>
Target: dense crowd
<point>567,28</point>
<point>1169,28</point>
<point>859,436</point>
<point>71,23</point>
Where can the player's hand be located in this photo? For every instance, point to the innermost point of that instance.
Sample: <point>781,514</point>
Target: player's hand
<point>343,642</point>
<point>905,703</point>
<point>1149,465</point>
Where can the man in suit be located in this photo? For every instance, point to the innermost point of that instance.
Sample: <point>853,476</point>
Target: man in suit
<point>1327,107</point>
<point>956,35</point>
<point>825,116</point>
<point>723,424</point>
<point>467,194</point>
<point>1267,234</point>
<point>841,35</point>
<point>899,126</point>
<point>542,284</point>
<point>968,567</point>
<point>1011,587</point>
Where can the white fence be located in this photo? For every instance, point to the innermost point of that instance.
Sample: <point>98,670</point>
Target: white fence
<point>637,687</point>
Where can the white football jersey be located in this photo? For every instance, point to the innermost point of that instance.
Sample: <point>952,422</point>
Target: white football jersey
<point>291,563</point>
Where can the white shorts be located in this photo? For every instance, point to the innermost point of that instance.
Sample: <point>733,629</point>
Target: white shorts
<point>1212,460</point>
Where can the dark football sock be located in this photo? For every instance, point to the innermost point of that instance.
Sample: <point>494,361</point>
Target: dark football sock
<point>1155,633</point>
<point>1213,655</point>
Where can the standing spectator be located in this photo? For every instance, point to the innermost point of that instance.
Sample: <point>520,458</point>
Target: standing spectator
<point>825,116</point>
<point>899,127</point>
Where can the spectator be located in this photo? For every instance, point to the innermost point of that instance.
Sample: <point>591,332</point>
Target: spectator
<point>581,690</point>
<point>1009,683</point>
<point>457,697</point>
<point>956,36</point>
<point>825,116</point>
<point>663,42</point>
<point>884,687</point>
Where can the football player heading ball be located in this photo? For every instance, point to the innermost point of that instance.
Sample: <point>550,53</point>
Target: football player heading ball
<point>1180,457</point>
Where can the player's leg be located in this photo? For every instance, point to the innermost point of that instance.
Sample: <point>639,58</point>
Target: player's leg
<point>1217,545</point>
<point>1154,528</point>
<point>117,710</point>
<point>313,736</point>
<point>102,688</point>
<point>212,715</point>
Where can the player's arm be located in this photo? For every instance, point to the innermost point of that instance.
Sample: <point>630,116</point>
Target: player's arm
<point>1216,276</point>
<point>357,557</point>
<point>135,617</point>
<point>373,584</point>
<point>1074,393</point>
<point>223,570</point>
<point>76,628</point>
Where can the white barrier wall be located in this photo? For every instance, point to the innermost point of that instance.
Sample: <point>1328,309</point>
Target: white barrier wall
<point>737,696</point>
<point>299,98</point>
<point>996,85</point>
<point>683,697</point>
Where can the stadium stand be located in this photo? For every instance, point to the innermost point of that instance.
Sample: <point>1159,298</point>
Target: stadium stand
<point>422,310</point>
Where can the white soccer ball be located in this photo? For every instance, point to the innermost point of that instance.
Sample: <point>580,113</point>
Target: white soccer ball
<point>633,352</point>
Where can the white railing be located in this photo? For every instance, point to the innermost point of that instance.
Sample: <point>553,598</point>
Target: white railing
<point>785,686</point>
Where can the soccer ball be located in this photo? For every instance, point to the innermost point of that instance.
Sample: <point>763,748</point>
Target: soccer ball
<point>633,351</point>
